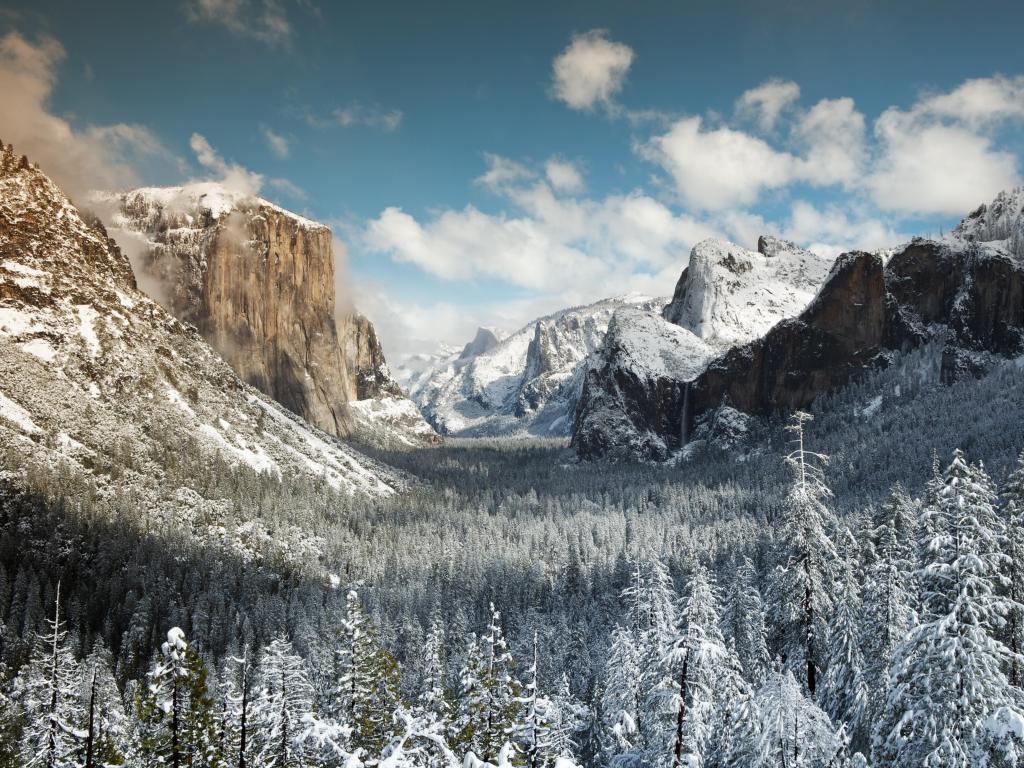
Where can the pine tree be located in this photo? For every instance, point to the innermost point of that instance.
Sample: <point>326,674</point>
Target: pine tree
<point>110,731</point>
<point>792,730</point>
<point>844,693</point>
<point>622,697</point>
<point>47,689</point>
<point>534,732</point>
<point>693,668</point>
<point>1013,498</point>
<point>889,595</point>
<point>283,699</point>
<point>805,578</point>
<point>175,710</point>
<point>366,693</point>
<point>744,622</point>
<point>948,689</point>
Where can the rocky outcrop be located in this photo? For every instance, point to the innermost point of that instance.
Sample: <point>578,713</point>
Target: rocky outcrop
<point>966,291</point>
<point>258,282</point>
<point>636,397</point>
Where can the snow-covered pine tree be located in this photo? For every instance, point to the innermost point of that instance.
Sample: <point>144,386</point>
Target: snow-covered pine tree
<point>533,732</point>
<point>949,694</point>
<point>570,718</point>
<point>622,698</point>
<point>804,579</point>
<point>791,729</point>
<point>365,695</point>
<point>175,709</point>
<point>239,690</point>
<point>843,693</point>
<point>889,594</point>
<point>47,688</point>
<point>744,622</point>
<point>1013,634</point>
<point>733,735</point>
<point>110,730</point>
<point>433,699</point>
<point>685,701</point>
<point>283,699</point>
<point>500,717</point>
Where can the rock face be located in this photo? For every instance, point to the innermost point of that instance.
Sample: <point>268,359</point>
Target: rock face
<point>258,282</point>
<point>635,401</point>
<point>528,382</point>
<point>98,379</point>
<point>966,291</point>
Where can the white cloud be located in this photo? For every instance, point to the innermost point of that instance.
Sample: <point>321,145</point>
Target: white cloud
<point>940,155</point>
<point>721,167</point>
<point>231,175</point>
<point>832,135</point>
<point>563,175</point>
<point>79,159</point>
<point>262,20</point>
<point>591,70</point>
<point>766,102</point>
<point>371,116</point>
<point>502,171</point>
<point>580,249</point>
<point>277,143</point>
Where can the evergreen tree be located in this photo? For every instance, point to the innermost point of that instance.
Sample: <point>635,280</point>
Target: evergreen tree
<point>889,595</point>
<point>792,730</point>
<point>366,694</point>
<point>844,693</point>
<point>744,622</point>
<point>283,699</point>
<point>47,689</point>
<point>805,578</point>
<point>175,710</point>
<point>948,690</point>
<point>1013,496</point>
<point>622,698</point>
<point>110,729</point>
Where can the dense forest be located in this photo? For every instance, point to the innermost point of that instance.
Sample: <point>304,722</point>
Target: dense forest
<point>756,604</point>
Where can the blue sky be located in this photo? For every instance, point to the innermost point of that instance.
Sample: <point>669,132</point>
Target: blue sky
<point>487,162</point>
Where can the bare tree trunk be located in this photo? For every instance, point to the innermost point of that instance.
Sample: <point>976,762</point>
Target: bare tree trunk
<point>681,717</point>
<point>91,738</point>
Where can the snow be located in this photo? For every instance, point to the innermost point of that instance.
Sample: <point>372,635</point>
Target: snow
<point>872,407</point>
<point>87,328</point>
<point>17,322</point>
<point>14,413</point>
<point>733,295</point>
<point>654,348</point>
<point>40,348</point>
<point>254,457</point>
<point>526,383</point>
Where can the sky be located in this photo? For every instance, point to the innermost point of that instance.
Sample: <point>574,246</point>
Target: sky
<point>485,163</point>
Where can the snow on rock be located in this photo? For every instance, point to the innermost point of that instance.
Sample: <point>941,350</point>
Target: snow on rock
<point>730,295</point>
<point>526,383</point>
<point>94,372</point>
<point>635,395</point>
<point>1000,222</point>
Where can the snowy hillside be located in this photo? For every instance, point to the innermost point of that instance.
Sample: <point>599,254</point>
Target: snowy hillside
<point>526,383</point>
<point>100,382</point>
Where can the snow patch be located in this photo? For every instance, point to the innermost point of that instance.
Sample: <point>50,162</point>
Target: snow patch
<point>14,413</point>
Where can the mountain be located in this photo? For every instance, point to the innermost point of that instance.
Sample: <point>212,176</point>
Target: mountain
<point>258,282</point>
<point>101,386</point>
<point>525,383</point>
<point>964,291</point>
<point>635,388</point>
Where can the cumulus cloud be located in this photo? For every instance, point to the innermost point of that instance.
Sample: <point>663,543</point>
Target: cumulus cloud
<point>563,175</point>
<point>79,158</point>
<point>590,71</point>
<point>276,143</point>
<point>940,155</point>
<point>263,20</point>
<point>550,242</point>
<point>766,102</point>
<point>720,167</point>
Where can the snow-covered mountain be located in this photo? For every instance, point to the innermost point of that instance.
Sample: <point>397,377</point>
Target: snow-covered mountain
<point>101,384</point>
<point>526,383</point>
<point>258,282</point>
<point>633,397</point>
<point>964,291</point>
